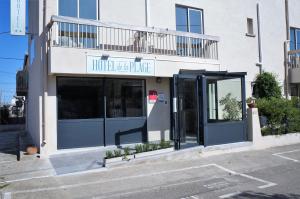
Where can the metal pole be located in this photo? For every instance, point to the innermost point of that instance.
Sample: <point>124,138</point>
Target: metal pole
<point>259,39</point>
<point>175,114</point>
<point>286,57</point>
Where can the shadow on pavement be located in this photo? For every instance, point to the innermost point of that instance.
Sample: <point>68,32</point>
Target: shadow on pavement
<point>10,144</point>
<point>256,195</point>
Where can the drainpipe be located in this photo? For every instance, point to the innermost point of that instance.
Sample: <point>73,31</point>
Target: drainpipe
<point>259,64</point>
<point>286,48</point>
<point>44,76</point>
<point>147,13</point>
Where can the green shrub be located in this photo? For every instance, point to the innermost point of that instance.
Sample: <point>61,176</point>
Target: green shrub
<point>146,147</point>
<point>138,148</point>
<point>165,144</point>
<point>127,151</point>
<point>154,146</point>
<point>283,116</point>
<point>117,153</point>
<point>109,154</point>
<point>267,86</point>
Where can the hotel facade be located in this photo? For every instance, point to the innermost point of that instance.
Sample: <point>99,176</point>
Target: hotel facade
<point>113,72</point>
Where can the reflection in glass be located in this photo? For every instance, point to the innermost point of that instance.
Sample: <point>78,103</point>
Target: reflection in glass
<point>189,20</point>
<point>125,98</point>
<point>224,98</point>
<point>293,39</point>
<point>67,8</point>
<point>79,98</point>
<point>87,9</point>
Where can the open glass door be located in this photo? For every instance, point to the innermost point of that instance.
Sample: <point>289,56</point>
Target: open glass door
<point>187,115</point>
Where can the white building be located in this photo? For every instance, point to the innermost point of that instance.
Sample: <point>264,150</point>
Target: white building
<point>110,72</point>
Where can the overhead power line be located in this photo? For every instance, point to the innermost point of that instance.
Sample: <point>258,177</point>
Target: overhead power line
<point>12,58</point>
<point>6,32</point>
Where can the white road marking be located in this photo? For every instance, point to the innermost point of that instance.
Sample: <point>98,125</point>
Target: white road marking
<point>230,195</point>
<point>286,152</point>
<point>194,197</point>
<point>267,183</point>
<point>24,179</point>
<point>216,185</point>
<point>6,195</point>
<point>150,189</point>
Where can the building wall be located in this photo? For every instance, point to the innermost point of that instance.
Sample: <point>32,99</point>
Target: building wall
<point>294,6</point>
<point>225,19</point>
<point>34,80</point>
<point>158,113</point>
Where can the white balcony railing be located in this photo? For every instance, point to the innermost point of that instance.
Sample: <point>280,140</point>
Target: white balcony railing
<point>90,34</point>
<point>294,59</point>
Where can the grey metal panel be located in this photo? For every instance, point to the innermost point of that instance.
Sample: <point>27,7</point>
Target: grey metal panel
<point>79,133</point>
<point>125,130</point>
<point>225,132</point>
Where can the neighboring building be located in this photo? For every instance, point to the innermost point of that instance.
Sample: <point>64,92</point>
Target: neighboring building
<point>110,72</point>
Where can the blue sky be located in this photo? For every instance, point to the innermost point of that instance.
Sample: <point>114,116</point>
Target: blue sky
<point>10,47</point>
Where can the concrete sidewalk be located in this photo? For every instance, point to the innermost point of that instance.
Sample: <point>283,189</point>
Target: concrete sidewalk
<point>255,173</point>
<point>12,144</point>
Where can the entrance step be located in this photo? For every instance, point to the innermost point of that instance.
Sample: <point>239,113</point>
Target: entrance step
<point>77,161</point>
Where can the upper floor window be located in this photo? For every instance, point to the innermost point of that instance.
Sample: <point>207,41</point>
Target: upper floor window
<point>189,20</point>
<point>250,27</point>
<point>295,38</point>
<point>86,9</point>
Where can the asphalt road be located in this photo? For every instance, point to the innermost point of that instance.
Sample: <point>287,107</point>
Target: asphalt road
<point>261,174</point>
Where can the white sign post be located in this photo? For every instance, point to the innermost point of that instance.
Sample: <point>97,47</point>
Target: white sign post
<point>17,17</point>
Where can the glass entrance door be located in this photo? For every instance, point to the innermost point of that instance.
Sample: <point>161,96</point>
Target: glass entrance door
<point>188,111</point>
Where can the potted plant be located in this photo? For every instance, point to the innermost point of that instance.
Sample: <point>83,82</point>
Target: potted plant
<point>251,102</point>
<point>144,150</point>
<point>31,150</point>
<point>112,157</point>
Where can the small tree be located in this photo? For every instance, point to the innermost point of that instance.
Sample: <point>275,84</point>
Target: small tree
<point>267,86</point>
<point>232,107</point>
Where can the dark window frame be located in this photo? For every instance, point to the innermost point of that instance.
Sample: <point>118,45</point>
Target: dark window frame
<point>103,79</point>
<point>78,9</point>
<point>296,39</point>
<point>218,120</point>
<point>188,20</point>
<point>144,97</point>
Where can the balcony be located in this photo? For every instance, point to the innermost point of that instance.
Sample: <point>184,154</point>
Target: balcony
<point>72,40</point>
<point>90,34</point>
<point>294,66</point>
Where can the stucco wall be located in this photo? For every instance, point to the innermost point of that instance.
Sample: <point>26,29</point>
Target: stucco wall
<point>294,6</point>
<point>226,19</point>
<point>73,61</point>
<point>158,113</point>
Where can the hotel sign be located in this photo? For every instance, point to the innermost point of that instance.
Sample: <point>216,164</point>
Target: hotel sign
<point>119,66</point>
<point>17,17</point>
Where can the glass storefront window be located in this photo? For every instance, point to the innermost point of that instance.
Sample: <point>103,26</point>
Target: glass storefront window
<point>224,97</point>
<point>83,98</point>
<point>79,98</point>
<point>125,98</point>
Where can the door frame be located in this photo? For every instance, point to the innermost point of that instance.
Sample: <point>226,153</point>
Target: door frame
<point>198,80</point>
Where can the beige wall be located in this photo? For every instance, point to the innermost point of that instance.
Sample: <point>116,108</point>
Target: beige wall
<point>73,61</point>
<point>294,6</point>
<point>158,114</point>
<point>225,19</point>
